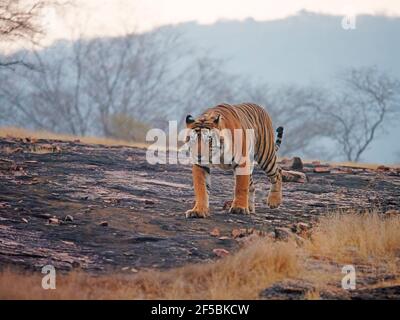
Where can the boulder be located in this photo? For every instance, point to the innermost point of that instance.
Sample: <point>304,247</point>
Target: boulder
<point>292,164</point>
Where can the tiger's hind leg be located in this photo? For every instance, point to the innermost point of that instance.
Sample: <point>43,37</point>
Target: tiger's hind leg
<point>273,171</point>
<point>274,199</point>
<point>252,190</point>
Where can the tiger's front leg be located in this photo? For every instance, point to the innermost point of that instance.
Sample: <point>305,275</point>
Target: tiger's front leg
<point>200,182</point>
<point>240,203</point>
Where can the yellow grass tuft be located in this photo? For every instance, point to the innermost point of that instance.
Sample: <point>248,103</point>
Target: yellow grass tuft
<point>367,238</point>
<point>24,133</point>
<point>350,237</point>
<point>240,276</point>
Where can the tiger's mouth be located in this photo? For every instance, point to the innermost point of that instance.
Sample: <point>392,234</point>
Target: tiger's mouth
<point>204,146</point>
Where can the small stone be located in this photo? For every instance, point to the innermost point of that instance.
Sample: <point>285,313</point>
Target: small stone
<point>215,232</point>
<point>103,223</point>
<point>238,233</point>
<point>271,235</point>
<point>134,270</point>
<point>224,238</point>
<point>24,220</point>
<point>221,252</point>
<point>392,213</point>
<point>302,229</point>
<point>285,234</point>
<point>244,241</point>
<point>147,202</point>
<point>293,176</point>
<point>282,234</point>
<point>53,221</point>
<point>69,243</point>
<point>227,205</point>
<point>302,226</point>
<point>296,164</point>
<point>69,218</point>
<point>125,268</point>
<point>322,169</point>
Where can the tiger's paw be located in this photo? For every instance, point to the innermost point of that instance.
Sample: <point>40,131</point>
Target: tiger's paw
<point>239,210</point>
<point>197,212</point>
<point>274,200</point>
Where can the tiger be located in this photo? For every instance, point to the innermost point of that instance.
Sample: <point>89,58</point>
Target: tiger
<point>214,129</point>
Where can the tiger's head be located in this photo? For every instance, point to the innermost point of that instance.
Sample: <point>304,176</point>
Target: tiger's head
<point>204,138</point>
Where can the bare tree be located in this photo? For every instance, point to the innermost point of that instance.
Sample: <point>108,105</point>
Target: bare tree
<point>132,76</point>
<point>203,83</point>
<point>19,20</point>
<point>50,97</point>
<point>368,98</point>
<point>80,87</point>
<point>293,108</point>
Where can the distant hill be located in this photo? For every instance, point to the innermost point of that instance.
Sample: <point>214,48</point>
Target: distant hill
<point>304,48</point>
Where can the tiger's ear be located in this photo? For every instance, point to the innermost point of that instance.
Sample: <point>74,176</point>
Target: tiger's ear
<point>189,119</point>
<point>217,118</point>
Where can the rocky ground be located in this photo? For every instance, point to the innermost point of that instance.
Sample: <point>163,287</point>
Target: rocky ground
<point>101,208</point>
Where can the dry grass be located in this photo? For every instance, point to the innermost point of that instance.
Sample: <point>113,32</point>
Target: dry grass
<point>240,276</point>
<point>361,165</point>
<point>367,238</point>
<point>23,133</point>
<point>353,237</point>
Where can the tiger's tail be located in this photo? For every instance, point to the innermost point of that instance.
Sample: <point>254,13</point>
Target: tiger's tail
<point>278,138</point>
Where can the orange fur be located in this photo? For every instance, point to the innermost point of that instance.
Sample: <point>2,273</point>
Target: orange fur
<point>200,209</point>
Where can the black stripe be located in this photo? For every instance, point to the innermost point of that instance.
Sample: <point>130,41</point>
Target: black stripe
<point>206,169</point>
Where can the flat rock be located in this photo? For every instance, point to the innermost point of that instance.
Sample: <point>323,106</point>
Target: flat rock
<point>143,206</point>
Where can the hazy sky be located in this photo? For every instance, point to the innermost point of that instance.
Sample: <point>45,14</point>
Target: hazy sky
<point>113,17</point>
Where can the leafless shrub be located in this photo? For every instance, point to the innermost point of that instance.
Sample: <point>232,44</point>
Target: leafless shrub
<point>77,89</point>
<point>368,97</point>
<point>127,128</point>
<point>19,20</point>
<point>293,108</point>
